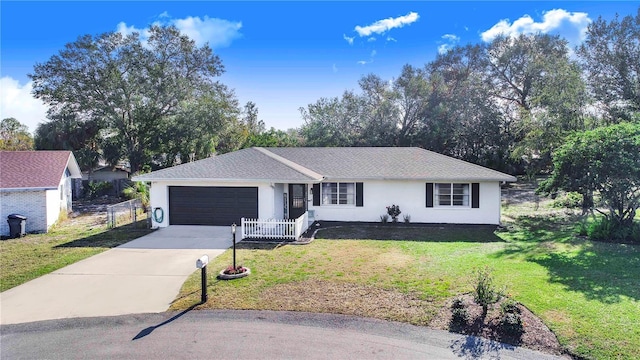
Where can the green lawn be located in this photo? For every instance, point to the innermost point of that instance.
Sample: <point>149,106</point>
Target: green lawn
<point>34,255</point>
<point>588,293</point>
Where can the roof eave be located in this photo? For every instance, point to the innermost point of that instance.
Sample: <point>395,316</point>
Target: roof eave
<point>263,180</point>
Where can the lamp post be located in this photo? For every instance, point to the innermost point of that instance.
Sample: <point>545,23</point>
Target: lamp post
<point>233,231</point>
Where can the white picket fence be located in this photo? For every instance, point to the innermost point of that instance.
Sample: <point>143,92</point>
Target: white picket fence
<point>286,229</point>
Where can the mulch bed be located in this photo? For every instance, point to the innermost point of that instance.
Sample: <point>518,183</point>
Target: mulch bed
<point>536,335</point>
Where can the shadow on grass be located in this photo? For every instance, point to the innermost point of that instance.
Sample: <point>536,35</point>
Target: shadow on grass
<point>409,232</point>
<point>112,237</point>
<point>601,271</point>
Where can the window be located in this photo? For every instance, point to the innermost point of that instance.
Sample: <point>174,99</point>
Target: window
<point>452,194</point>
<point>338,193</point>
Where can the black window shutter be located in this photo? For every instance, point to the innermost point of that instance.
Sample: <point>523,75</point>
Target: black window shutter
<point>475,195</point>
<point>316,194</point>
<point>429,194</point>
<point>359,194</point>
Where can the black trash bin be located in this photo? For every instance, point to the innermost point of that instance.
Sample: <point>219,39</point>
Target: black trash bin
<point>17,225</point>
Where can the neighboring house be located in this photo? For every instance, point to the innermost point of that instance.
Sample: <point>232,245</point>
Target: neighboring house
<point>36,184</point>
<point>331,184</point>
<point>118,176</point>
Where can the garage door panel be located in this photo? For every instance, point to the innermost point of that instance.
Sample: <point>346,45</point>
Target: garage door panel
<point>219,206</point>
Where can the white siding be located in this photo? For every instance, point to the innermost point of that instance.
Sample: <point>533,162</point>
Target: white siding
<point>410,196</point>
<point>159,196</point>
<point>31,204</point>
<point>54,206</point>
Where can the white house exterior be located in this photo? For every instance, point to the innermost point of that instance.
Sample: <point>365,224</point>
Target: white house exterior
<point>37,185</point>
<point>326,184</point>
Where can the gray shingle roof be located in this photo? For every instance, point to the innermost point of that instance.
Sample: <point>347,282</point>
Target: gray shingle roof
<point>305,164</point>
<point>242,165</point>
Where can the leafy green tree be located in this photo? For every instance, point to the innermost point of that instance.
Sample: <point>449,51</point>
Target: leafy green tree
<point>14,135</point>
<point>273,138</point>
<point>539,91</point>
<point>461,120</point>
<point>610,57</point>
<point>604,160</point>
<point>137,89</point>
<point>64,131</point>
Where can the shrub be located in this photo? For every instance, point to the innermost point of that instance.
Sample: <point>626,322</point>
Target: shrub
<point>137,190</point>
<point>582,229</point>
<point>570,200</point>
<point>394,212</point>
<point>98,188</point>
<point>384,218</point>
<point>459,315</point>
<point>485,291</point>
<point>509,306</point>
<point>511,323</point>
<point>606,229</point>
<point>406,218</point>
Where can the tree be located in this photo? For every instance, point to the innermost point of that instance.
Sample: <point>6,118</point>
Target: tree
<point>610,57</point>
<point>539,91</point>
<point>604,160</point>
<point>64,131</point>
<point>14,135</point>
<point>461,120</point>
<point>137,89</point>
<point>273,138</point>
<point>250,119</point>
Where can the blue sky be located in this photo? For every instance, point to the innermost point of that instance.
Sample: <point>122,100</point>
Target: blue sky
<point>282,55</point>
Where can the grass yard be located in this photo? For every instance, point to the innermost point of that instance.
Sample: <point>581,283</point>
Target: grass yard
<point>588,293</point>
<point>34,255</point>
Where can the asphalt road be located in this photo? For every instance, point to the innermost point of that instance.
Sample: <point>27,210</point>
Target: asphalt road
<point>242,334</point>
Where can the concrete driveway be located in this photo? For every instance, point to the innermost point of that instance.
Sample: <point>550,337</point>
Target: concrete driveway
<point>141,276</point>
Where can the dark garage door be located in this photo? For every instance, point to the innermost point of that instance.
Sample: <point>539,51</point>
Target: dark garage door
<point>219,205</point>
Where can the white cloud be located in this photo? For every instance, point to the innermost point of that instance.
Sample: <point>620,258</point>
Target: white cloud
<point>389,38</point>
<point>17,102</point>
<point>217,32</point>
<point>450,41</point>
<point>382,26</point>
<point>572,26</point>
<point>348,39</point>
<point>125,30</point>
<point>371,39</point>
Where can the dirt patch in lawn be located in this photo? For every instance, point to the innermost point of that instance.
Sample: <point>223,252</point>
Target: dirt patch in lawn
<point>535,335</point>
<point>349,299</point>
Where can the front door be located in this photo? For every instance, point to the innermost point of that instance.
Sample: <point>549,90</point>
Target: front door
<point>297,200</point>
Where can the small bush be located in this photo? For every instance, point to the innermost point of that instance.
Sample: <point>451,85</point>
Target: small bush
<point>609,230</point>
<point>582,229</point>
<point>570,200</point>
<point>458,303</point>
<point>406,218</point>
<point>384,218</point>
<point>509,306</point>
<point>99,188</point>
<point>511,323</point>
<point>485,291</point>
<point>459,315</point>
<point>394,212</point>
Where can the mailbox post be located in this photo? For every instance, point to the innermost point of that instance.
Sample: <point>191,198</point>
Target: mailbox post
<point>233,231</point>
<point>202,264</point>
